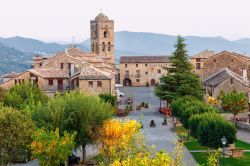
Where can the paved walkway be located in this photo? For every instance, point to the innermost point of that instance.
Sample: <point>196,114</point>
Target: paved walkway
<point>243,135</point>
<point>160,136</point>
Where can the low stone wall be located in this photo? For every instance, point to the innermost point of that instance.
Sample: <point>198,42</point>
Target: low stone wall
<point>243,125</point>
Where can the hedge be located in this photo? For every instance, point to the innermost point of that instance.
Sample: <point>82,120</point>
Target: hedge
<point>195,120</point>
<point>187,106</point>
<point>211,130</point>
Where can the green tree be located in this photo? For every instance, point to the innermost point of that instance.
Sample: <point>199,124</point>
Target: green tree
<point>179,81</point>
<point>16,129</point>
<point>210,131</point>
<point>24,96</point>
<point>234,102</point>
<point>50,148</point>
<point>108,98</point>
<point>2,93</point>
<point>76,112</point>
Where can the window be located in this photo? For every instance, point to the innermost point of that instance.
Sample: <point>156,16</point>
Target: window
<point>15,81</point>
<point>109,46</point>
<point>50,82</point>
<point>136,65</point>
<point>99,83</point>
<point>198,66</point>
<point>158,71</point>
<point>137,73</point>
<point>214,60</point>
<point>126,65</point>
<point>137,80</point>
<point>232,81</point>
<point>77,82</point>
<point>146,64</point>
<point>61,65</point>
<point>106,34</point>
<point>91,84</point>
<point>146,73</point>
<point>127,73</point>
<point>69,65</point>
<point>93,47</point>
<point>198,59</point>
<point>103,46</point>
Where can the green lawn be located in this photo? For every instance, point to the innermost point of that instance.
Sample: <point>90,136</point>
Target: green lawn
<point>194,145</point>
<point>244,161</point>
<point>242,145</point>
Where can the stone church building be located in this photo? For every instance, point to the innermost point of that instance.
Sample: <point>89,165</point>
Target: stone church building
<point>73,68</point>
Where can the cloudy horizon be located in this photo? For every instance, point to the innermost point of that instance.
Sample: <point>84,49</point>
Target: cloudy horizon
<point>61,20</point>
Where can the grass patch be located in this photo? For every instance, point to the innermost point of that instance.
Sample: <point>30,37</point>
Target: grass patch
<point>244,161</point>
<point>181,130</point>
<point>194,145</point>
<point>242,145</point>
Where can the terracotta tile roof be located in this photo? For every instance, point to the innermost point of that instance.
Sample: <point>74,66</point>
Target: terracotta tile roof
<point>50,73</point>
<point>204,54</point>
<point>144,59</point>
<point>10,75</point>
<point>92,73</point>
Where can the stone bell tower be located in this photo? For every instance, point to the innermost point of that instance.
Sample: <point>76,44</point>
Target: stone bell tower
<point>102,37</point>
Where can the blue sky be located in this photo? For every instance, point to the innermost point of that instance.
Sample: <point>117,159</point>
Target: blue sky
<point>60,20</point>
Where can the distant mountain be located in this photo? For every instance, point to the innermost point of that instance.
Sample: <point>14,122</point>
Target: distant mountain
<point>12,59</point>
<point>16,53</point>
<point>142,43</point>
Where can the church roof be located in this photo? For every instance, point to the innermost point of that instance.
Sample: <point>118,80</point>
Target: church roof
<point>144,59</point>
<point>92,73</point>
<point>50,73</point>
<point>101,16</point>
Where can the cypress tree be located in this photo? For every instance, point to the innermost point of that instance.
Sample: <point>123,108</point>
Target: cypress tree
<point>179,80</point>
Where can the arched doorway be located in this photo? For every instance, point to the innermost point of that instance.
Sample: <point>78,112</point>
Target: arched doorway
<point>153,82</point>
<point>127,82</point>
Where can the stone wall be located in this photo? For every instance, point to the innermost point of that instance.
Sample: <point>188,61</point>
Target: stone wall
<point>223,60</point>
<point>106,86</point>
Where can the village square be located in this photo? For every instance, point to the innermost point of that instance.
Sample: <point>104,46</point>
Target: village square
<point>80,107</point>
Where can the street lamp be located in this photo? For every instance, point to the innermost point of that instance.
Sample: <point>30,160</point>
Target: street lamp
<point>224,142</point>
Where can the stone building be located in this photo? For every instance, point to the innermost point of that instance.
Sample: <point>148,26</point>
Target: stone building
<point>102,37</point>
<point>226,81</point>
<point>142,70</point>
<point>73,68</point>
<point>198,59</point>
<point>233,61</point>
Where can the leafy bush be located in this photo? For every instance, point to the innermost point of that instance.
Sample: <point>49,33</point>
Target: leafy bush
<point>187,106</point>
<point>234,102</point>
<point>195,120</point>
<point>211,130</point>
<point>24,96</point>
<point>50,148</point>
<point>16,129</point>
<point>108,98</point>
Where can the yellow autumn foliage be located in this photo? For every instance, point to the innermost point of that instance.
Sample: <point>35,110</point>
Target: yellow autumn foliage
<point>123,145</point>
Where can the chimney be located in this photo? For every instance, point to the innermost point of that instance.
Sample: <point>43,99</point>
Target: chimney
<point>37,61</point>
<point>244,74</point>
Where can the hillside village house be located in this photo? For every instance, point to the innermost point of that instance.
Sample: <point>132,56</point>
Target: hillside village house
<point>73,68</point>
<point>224,71</point>
<point>142,70</point>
